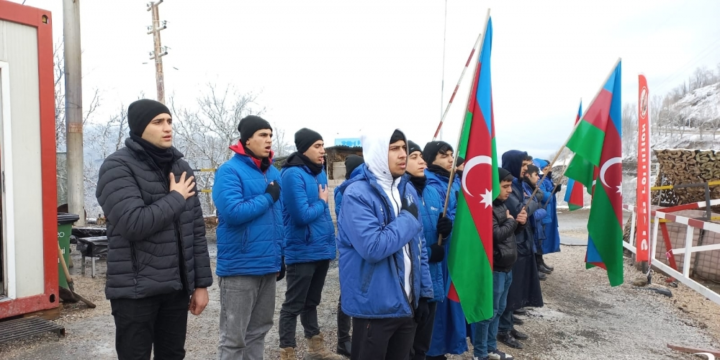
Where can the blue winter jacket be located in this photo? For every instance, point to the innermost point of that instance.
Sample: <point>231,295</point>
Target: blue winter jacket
<point>309,229</point>
<point>250,229</point>
<point>430,211</point>
<point>449,328</point>
<point>339,190</point>
<point>372,242</point>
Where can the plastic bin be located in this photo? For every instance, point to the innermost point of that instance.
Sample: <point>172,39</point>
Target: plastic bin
<point>65,222</point>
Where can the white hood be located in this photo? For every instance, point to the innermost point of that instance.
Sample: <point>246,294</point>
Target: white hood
<point>376,144</point>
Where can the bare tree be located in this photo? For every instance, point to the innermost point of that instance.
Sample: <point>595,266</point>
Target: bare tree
<point>281,144</point>
<point>60,119</point>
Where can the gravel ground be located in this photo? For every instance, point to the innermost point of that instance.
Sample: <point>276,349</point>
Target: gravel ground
<point>583,317</point>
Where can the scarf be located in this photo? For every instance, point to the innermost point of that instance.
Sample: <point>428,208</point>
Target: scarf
<point>437,169</point>
<point>163,158</point>
<point>419,183</point>
<point>264,162</point>
<point>316,169</point>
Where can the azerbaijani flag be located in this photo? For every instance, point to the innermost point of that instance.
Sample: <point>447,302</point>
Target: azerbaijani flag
<point>597,143</point>
<point>574,193</point>
<point>471,247</point>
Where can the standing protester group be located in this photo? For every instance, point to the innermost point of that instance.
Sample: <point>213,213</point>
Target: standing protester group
<point>393,234</point>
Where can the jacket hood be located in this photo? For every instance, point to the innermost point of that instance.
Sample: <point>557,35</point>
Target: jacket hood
<point>375,146</point>
<point>541,164</point>
<point>512,161</point>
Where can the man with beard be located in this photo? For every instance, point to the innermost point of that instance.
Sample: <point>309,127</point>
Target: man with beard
<point>309,244</point>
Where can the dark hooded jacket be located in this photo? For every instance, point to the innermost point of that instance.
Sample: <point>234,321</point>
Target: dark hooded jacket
<point>525,288</point>
<point>504,230</point>
<point>150,229</point>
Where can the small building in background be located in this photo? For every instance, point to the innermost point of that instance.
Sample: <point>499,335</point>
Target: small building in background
<point>29,235</point>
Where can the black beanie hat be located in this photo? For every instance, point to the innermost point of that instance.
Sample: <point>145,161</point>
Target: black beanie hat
<point>433,148</point>
<point>251,124</point>
<point>141,112</point>
<point>305,138</point>
<point>505,175</point>
<point>397,136</point>
<point>413,147</point>
<point>351,163</point>
<point>460,160</point>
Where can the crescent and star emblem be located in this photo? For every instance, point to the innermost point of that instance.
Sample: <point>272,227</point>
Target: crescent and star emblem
<point>603,169</point>
<point>469,165</point>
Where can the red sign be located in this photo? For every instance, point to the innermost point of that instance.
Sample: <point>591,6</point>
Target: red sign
<point>642,232</point>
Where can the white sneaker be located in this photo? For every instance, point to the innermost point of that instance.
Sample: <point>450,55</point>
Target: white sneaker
<point>499,355</point>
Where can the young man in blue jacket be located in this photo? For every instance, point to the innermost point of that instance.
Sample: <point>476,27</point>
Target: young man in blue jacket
<point>249,240</point>
<point>353,168</point>
<point>449,335</point>
<point>434,225</point>
<point>384,277</point>
<point>309,244</point>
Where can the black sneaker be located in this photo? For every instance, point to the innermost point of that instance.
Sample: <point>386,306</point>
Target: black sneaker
<point>517,320</point>
<point>509,340</point>
<point>520,311</point>
<point>344,348</point>
<point>497,354</point>
<point>541,276</point>
<point>518,335</point>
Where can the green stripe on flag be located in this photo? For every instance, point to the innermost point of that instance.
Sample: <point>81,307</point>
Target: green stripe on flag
<point>469,267</point>
<point>607,235</point>
<point>587,142</point>
<point>581,171</point>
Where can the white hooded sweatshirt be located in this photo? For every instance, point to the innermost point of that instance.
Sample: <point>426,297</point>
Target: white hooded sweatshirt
<point>376,146</point>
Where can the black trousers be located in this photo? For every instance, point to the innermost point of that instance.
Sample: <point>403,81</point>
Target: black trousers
<point>344,323</point>
<point>304,288</point>
<point>423,335</point>
<point>376,339</point>
<point>158,322</point>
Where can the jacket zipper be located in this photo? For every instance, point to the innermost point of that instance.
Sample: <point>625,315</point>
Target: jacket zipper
<point>397,267</point>
<point>179,242</point>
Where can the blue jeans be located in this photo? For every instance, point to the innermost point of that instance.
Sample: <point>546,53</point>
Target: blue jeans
<point>486,331</point>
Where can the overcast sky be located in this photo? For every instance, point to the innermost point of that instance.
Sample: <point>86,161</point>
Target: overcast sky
<point>341,67</point>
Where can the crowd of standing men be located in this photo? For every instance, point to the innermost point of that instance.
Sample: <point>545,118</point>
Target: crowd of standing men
<point>276,224</point>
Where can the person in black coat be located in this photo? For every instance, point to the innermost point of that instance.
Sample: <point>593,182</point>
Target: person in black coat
<point>158,264</point>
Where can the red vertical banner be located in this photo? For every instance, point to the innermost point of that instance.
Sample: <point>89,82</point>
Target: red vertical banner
<point>642,230</point>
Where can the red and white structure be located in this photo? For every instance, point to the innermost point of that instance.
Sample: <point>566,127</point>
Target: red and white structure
<point>688,249</point>
<point>29,248</point>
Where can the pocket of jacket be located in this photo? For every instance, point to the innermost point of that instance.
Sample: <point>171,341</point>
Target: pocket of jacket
<point>366,279</point>
<point>244,240</point>
<point>133,259</point>
<point>308,235</point>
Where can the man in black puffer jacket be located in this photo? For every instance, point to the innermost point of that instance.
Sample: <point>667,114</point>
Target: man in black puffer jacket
<point>158,263</point>
<point>504,256</point>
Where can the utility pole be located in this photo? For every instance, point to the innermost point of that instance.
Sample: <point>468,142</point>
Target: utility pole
<point>74,109</point>
<point>159,51</point>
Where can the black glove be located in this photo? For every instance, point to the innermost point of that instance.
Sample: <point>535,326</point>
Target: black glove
<point>411,208</point>
<point>422,313</point>
<point>557,189</point>
<point>281,273</point>
<point>444,226</point>
<point>273,189</point>
<point>437,253</point>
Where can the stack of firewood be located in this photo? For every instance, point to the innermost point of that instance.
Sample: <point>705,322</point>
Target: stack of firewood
<point>680,167</point>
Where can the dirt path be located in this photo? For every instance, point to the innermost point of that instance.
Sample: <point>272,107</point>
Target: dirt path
<point>583,318</point>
